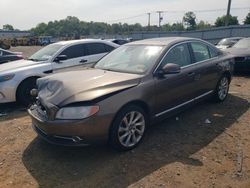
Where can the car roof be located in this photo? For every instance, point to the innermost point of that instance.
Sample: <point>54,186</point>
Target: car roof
<point>163,41</point>
<point>69,42</point>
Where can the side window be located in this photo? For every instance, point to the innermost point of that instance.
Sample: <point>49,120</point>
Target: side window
<point>74,51</point>
<point>1,53</point>
<point>200,51</point>
<point>108,48</point>
<point>213,52</point>
<point>96,48</point>
<point>178,55</point>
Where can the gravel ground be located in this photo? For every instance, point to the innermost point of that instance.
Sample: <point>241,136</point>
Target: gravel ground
<point>26,50</point>
<point>183,152</point>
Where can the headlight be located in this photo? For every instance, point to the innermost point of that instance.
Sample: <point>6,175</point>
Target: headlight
<point>77,112</point>
<point>6,77</point>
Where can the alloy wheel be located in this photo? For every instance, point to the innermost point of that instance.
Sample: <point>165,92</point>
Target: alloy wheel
<point>223,88</point>
<point>131,129</point>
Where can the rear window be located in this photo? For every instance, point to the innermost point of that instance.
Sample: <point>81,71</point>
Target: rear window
<point>74,51</point>
<point>97,48</point>
<point>200,51</point>
<point>213,52</point>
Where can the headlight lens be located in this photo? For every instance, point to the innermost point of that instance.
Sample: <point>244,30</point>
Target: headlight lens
<point>6,77</point>
<point>80,112</point>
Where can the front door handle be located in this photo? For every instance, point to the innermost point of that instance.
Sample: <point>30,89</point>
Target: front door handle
<point>191,73</point>
<point>83,61</point>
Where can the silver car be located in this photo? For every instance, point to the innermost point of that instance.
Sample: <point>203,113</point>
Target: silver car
<point>17,78</point>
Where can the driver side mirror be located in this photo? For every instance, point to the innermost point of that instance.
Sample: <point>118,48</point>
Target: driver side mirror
<point>60,58</point>
<point>171,68</point>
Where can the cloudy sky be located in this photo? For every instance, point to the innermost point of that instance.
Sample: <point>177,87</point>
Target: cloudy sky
<point>25,14</point>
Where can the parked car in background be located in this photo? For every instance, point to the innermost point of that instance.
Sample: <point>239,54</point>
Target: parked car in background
<point>118,41</point>
<point>134,85</point>
<point>241,53</point>
<point>17,78</point>
<point>228,42</point>
<point>7,56</point>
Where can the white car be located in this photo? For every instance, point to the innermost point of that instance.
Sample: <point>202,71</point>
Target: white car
<point>17,78</point>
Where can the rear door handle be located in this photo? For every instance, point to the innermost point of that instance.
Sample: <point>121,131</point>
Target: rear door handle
<point>83,61</point>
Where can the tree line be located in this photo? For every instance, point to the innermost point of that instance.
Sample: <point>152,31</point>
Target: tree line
<point>73,27</point>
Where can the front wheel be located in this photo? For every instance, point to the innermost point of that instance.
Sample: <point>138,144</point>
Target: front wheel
<point>23,92</point>
<point>128,128</point>
<point>222,89</point>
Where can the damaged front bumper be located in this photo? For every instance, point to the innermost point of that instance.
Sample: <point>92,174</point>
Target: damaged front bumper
<point>69,132</point>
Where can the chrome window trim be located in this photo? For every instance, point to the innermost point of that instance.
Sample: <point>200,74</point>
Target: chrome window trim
<point>186,66</point>
<point>183,104</point>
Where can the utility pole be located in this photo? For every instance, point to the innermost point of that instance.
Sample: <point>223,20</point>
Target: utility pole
<point>149,21</point>
<point>228,13</point>
<point>160,18</point>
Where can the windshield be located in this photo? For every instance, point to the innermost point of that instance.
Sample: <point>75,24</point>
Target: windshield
<point>45,53</point>
<point>243,43</point>
<point>131,59</point>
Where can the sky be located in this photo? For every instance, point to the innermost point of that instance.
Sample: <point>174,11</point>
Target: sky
<point>25,14</point>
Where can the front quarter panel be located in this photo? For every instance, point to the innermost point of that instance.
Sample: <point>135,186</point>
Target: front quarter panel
<point>110,107</point>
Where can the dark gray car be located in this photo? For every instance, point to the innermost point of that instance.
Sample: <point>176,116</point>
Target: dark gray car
<point>130,88</point>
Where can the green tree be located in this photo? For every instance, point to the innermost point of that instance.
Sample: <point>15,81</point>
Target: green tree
<point>247,19</point>
<point>177,27</point>
<point>220,21</point>
<point>189,19</point>
<point>8,27</point>
<point>203,25</point>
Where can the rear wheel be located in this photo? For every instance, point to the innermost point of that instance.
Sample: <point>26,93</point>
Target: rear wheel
<point>23,92</point>
<point>222,89</point>
<point>128,128</point>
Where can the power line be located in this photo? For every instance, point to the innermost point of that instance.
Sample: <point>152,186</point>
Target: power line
<point>127,18</point>
<point>178,11</point>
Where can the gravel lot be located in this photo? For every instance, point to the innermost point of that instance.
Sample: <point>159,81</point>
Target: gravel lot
<point>178,152</point>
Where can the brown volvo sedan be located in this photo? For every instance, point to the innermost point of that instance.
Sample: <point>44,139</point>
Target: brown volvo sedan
<point>130,88</point>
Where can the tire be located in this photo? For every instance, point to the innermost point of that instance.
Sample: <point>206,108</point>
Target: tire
<point>23,92</point>
<point>126,136</point>
<point>222,88</point>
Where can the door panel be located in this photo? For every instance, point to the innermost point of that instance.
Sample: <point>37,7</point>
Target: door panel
<point>175,89</point>
<point>76,55</point>
<point>206,67</point>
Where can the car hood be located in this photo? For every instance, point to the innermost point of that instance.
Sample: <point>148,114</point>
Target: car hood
<point>15,65</point>
<point>239,51</point>
<point>81,86</point>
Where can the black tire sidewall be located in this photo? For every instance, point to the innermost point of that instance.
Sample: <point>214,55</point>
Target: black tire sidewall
<point>22,97</point>
<point>216,94</point>
<point>113,136</point>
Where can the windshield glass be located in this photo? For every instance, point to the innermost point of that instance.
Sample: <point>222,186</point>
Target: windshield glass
<point>243,43</point>
<point>46,52</point>
<point>131,59</point>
